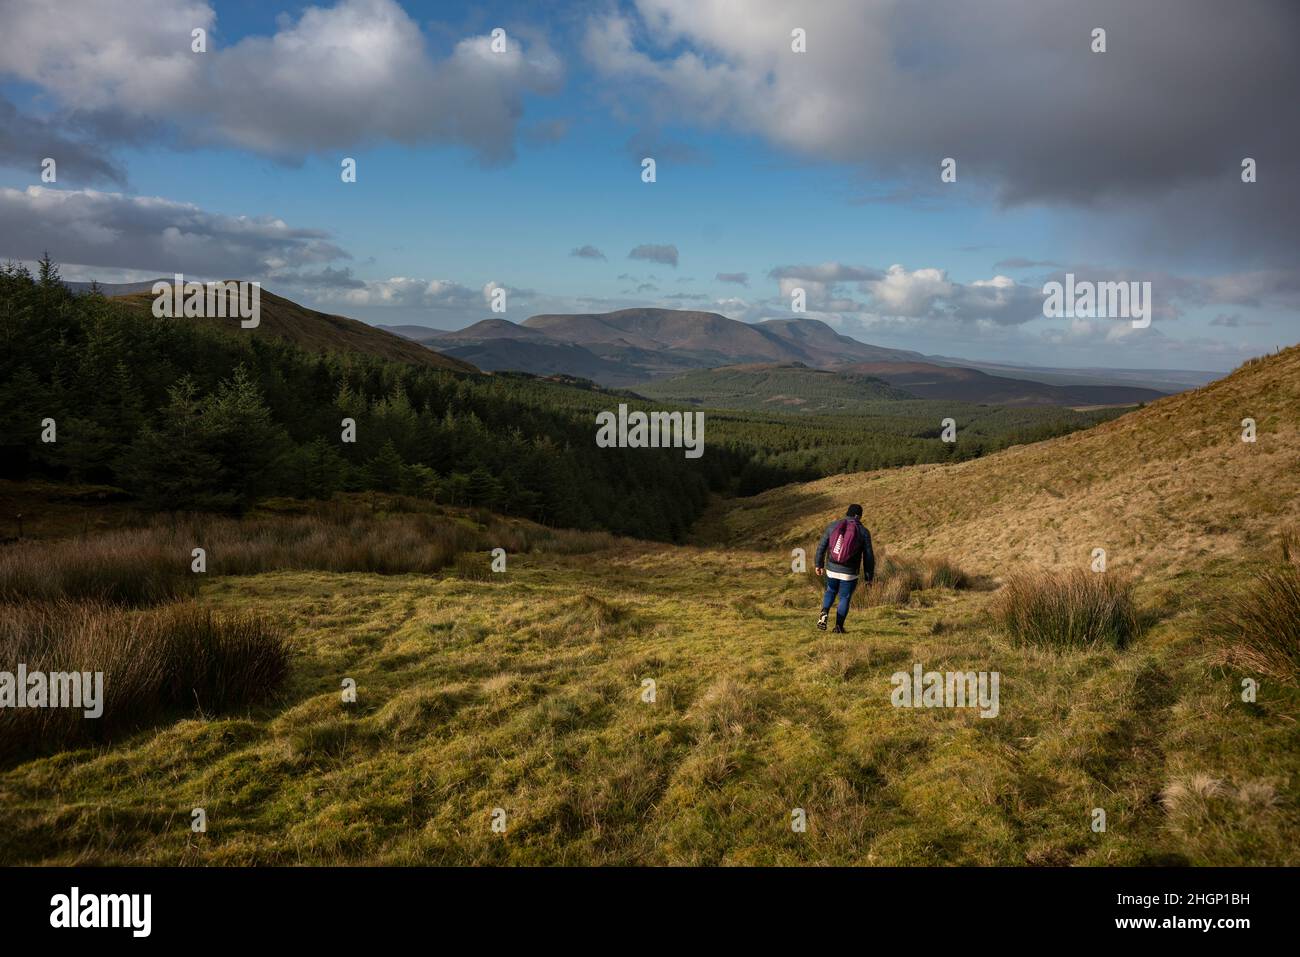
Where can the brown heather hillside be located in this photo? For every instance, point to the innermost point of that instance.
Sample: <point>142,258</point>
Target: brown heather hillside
<point>660,329</point>
<point>323,332</point>
<point>1167,487</point>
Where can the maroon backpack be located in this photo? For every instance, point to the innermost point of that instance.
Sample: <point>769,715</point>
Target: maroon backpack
<point>846,542</point>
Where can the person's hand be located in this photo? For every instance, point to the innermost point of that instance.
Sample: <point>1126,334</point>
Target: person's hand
<point>818,571</point>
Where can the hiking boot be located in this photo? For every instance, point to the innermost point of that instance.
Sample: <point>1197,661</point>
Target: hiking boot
<point>821,622</point>
<point>839,625</point>
<point>838,630</point>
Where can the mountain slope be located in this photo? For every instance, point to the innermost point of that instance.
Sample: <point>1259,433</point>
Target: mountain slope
<point>539,358</point>
<point>708,334</point>
<point>930,381</point>
<point>321,332</point>
<point>692,332</point>
<point>416,333</point>
<point>649,343</point>
<point>824,346</point>
<point>489,329</point>
<point>1170,486</point>
<point>790,387</point>
<point>630,346</point>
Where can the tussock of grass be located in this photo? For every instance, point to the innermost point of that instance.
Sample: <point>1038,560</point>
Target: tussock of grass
<point>414,714</point>
<point>473,566</point>
<point>727,708</point>
<point>1079,609</point>
<point>175,657</point>
<point>897,578</point>
<point>1201,806</point>
<point>943,573</point>
<point>894,590</point>
<point>589,617</point>
<point>1259,628</point>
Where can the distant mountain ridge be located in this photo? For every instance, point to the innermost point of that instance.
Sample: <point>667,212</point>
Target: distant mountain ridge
<point>711,335</point>
<point>631,347</point>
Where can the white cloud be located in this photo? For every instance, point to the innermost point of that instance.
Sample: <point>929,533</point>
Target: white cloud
<point>406,291</point>
<point>903,293</point>
<point>351,74</point>
<point>151,233</point>
<point>96,54</point>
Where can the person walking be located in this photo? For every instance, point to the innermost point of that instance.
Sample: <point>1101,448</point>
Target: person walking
<point>845,549</point>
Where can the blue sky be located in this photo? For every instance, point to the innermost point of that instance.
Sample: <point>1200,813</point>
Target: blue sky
<point>817,170</point>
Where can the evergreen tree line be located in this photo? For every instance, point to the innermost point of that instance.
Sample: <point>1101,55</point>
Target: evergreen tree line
<point>185,416</point>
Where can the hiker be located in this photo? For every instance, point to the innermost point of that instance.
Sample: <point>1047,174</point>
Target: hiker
<point>849,548</point>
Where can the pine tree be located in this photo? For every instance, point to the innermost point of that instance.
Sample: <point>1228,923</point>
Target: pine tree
<point>48,274</point>
<point>317,469</point>
<point>384,471</point>
<point>485,489</point>
<point>170,467</point>
<point>240,433</point>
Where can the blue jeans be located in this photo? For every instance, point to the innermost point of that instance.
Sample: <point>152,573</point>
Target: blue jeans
<point>836,586</point>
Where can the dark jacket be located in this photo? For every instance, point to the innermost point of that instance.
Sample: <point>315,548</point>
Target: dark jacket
<point>864,559</point>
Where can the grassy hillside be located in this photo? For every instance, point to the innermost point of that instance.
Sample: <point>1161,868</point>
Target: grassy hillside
<point>1170,486</point>
<point>824,346</point>
<point>321,332</point>
<point>524,691</point>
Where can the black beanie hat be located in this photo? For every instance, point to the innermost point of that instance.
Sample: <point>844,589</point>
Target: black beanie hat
<point>855,511</point>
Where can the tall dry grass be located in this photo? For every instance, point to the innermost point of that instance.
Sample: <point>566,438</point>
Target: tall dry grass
<point>178,657</point>
<point>1259,628</point>
<point>66,605</point>
<point>150,565</point>
<point>1077,609</point>
<point>897,578</point>
<point>943,572</point>
<point>894,582</point>
<point>121,567</point>
<point>386,545</point>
